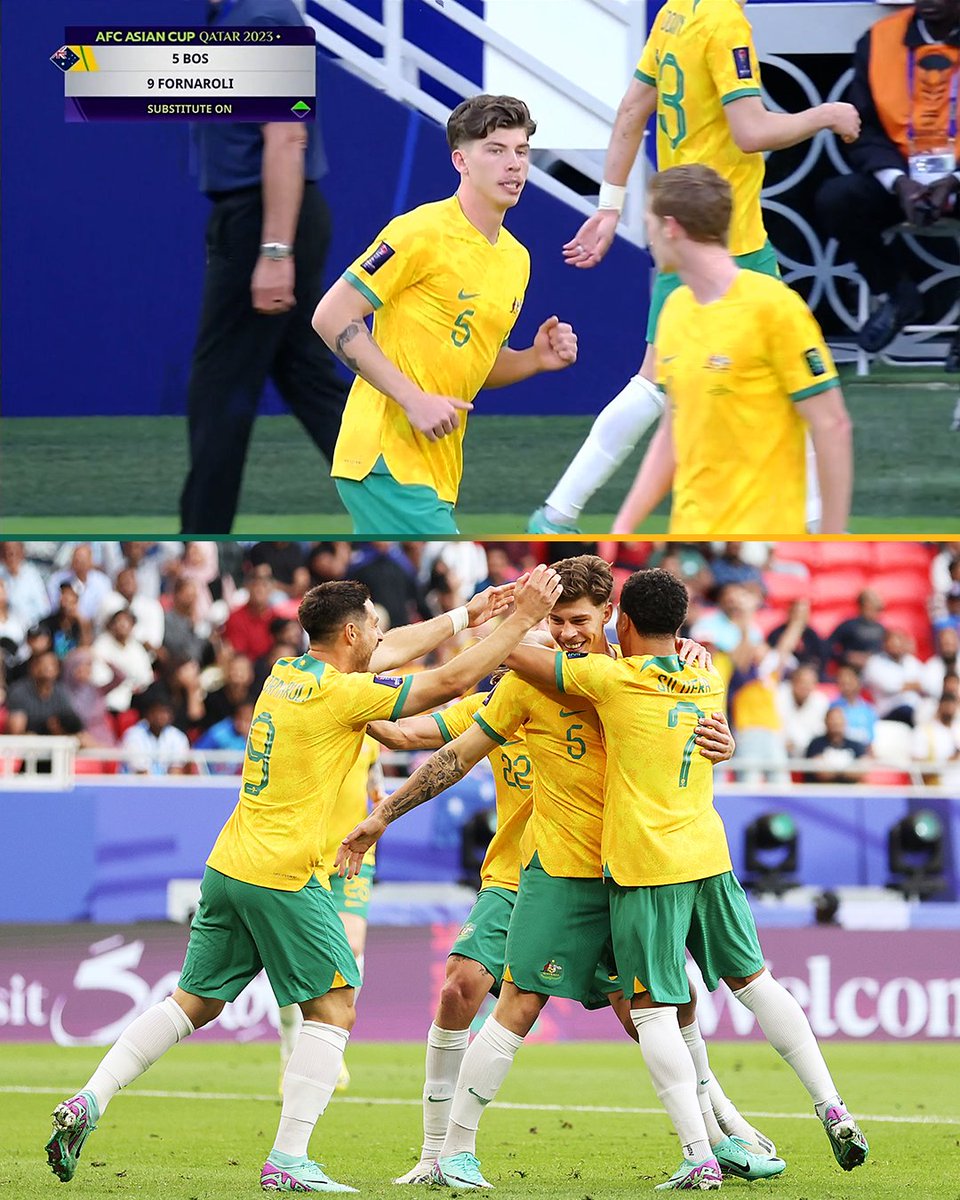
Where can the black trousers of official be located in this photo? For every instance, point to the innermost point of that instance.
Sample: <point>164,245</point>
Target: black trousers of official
<point>238,349</point>
<point>856,209</point>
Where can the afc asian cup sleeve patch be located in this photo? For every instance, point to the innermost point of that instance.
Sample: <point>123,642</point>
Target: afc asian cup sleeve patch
<point>741,62</point>
<point>390,681</point>
<point>383,253</point>
<point>575,654</point>
<point>815,362</point>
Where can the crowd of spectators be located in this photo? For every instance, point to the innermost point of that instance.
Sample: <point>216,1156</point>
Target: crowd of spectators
<point>160,647</point>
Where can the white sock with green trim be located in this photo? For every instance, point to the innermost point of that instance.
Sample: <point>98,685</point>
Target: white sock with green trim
<point>674,1078</point>
<point>445,1051</point>
<point>485,1067</point>
<point>137,1048</point>
<point>308,1084</point>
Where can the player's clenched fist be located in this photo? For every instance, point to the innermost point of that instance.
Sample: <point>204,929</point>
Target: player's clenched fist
<point>555,345</point>
<point>434,416</point>
<point>536,593</point>
<point>846,121</point>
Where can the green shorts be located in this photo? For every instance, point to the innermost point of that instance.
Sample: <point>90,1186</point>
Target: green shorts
<point>559,940</point>
<point>240,927</point>
<point>483,938</point>
<point>381,507</point>
<point>353,895</point>
<point>763,261</point>
<point>652,926</point>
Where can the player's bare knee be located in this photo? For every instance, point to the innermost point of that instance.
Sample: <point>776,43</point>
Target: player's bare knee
<point>199,1010</point>
<point>335,1008</point>
<point>463,991</point>
<point>517,1010</point>
<point>737,983</point>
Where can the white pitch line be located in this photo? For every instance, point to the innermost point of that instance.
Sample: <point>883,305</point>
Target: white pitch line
<point>559,1108</point>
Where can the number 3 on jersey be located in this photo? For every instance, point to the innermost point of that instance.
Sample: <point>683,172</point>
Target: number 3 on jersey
<point>259,745</point>
<point>673,720</point>
<point>671,99</point>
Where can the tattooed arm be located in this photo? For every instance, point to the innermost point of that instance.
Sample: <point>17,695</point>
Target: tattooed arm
<point>341,320</point>
<point>442,770</point>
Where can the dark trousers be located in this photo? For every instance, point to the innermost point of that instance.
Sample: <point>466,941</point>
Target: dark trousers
<point>238,349</point>
<point>856,209</point>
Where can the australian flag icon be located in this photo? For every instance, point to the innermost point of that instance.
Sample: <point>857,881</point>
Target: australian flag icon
<point>64,58</point>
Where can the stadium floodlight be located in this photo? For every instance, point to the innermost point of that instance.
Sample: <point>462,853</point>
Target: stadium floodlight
<point>771,853</point>
<point>915,855</point>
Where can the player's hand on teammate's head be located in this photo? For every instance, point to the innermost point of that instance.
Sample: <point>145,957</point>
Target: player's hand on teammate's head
<point>537,592</point>
<point>714,739</point>
<point>491,602</point>
<point>692,652</point>
<point>555,345</point>
<point>846,121</point>
<point>593,239</point>
<point>434,416</point>
<point>355,845</point>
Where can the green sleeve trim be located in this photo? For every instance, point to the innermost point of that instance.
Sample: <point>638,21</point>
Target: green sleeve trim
<point>823,386</point>
<point>558,669</point>
<point>444,731</point>
<point>739,94</point>
<point>401,698</point>
<point>644,78</point>
<point>491,733</point>
<point>363,289</point>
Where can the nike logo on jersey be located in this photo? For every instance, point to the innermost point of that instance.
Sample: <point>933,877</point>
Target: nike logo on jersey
<point>575,712</point>
<point>484,1100</point>
<point>462,295</point>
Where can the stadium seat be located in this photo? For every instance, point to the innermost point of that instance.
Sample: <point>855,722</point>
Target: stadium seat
<point>807,553</point>
<point>884,778</point>
<point>91,766</point>
<point>768,619</point>
<point>845,554</point>
<point>783,587</point>
<point>836,586</point>
<point>898,556</point>
<point>902,586</point>
<point>825,620</point>
<point>915,621</point>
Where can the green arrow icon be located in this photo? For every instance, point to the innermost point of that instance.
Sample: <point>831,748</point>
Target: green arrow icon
<point>301,108</point>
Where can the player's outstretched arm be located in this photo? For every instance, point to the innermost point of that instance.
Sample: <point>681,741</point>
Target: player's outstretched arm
<point>409,733</point>
<point>439,772</point>
<point>595,236</point>
<point>535,595</point>
<point>340,319</point>
<point>554,347</point>
<point>654,479</point>
<point>831,432</point>
<point>755,128</point>
<point>408,642</point>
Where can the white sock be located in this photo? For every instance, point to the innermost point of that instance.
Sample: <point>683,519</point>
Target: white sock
<point>786,1028</point>
<point>674,1078</point>
<point>610,442</point>
<point>308,1084</point>
<point>291,1018</point>
<point>701,1064</point>
<point>445,1051</point>
<point>814,503</point>
<point>138,1047</point>
<point>485,1067</point>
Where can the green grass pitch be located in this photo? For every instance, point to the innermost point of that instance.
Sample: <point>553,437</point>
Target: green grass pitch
<point>200,1124</point>
<point>120,476</point>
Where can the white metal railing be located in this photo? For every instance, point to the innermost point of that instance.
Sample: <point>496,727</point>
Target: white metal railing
<point>397,70</point>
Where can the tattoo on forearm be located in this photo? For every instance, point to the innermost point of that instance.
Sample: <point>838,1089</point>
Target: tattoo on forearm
<point>435,776</point>
<point>354,330</point>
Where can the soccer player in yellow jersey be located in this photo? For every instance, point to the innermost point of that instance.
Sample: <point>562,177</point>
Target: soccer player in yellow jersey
<point>446,283</point>
<point>699,73</point>
<point>559,930</point>
<point>665,856</point>
<point>743,391</point>
<point>265,900</point>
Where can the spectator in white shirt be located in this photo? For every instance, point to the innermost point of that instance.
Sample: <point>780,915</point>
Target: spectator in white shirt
<point>92,586</point>
<point>148,613</point>
<point>26,594</point>
<point>893,679</point>
<point>161,747</point>
<point>118,650</point>
<point>937,741</point>
<point>802,707</point>
<point>943,663</point>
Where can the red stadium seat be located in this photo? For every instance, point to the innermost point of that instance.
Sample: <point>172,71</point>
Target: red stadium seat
<point>836,586</point>
<point>825,620</point>
<point>90,766</point>
<point>783,587</point>
<point>807,553</point>
<point>886,778</point>
<point>769,618</point>
<point>845,554</point>
<point>905,586</point>
<point>898,556</point>
<point>915,621</point>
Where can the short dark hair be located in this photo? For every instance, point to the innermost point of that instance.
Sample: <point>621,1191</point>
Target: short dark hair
<point>326,608</point>
<point>584,577</point>
<point>655,601</point>
<point>479,116</point>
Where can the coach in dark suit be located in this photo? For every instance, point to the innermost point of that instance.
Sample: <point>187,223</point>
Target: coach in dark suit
<point>267,239</point>
<point>905,82</point>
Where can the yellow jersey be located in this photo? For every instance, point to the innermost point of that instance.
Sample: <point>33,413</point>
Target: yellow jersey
<point>566,746</point>
<point>513,785</point>
<point>732,386</point>
<point>659,822</point>
<point>352,804</point>
<point>305,736</point>
<point>445,301</point>
<point>700,56</point>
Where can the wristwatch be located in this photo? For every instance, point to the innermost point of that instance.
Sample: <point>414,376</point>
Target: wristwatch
<point>275,250</point>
